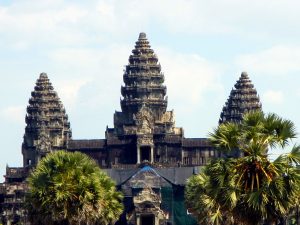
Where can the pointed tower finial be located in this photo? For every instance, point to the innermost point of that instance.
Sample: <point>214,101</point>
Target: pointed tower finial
<point>244,74</point>
<point>143,87</point>
<point>143,81</point>
<point>142,35</point>
<point>43,75</point>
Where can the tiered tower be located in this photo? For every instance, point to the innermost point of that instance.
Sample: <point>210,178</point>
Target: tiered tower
<point>143,81</point>
<point>143,93</point>
<point>242,99</point>
<point>144,122</point>
<point>47,126</point>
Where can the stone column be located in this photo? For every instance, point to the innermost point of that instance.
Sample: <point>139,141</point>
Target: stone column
<point>138,220</point>
<point>156,220</point>
<point>152,155</point>
<point>138,154</point>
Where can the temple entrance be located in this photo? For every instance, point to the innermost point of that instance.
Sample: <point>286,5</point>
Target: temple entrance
<point>147,219</point>
<point>145,153</point>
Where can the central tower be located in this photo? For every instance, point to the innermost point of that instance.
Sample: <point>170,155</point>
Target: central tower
<point>143,82</point>
<point>144,121</point>
<point>144,101</point>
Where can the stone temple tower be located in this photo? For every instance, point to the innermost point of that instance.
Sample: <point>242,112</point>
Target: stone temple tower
<point>143,87</point>
<point>144,119</point>
<point>242,99</point>
<point>47,127</point>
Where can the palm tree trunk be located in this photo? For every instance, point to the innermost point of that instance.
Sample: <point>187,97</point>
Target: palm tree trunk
<point>271,222</point>
<point>297,215</point>
<point>283,221</point>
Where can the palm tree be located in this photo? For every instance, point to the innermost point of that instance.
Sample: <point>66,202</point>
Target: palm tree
<point>69,188</point>
<point>209,204</point>
<point>250,188</point>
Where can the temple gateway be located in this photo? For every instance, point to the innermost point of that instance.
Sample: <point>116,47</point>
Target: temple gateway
<point>145,153</point>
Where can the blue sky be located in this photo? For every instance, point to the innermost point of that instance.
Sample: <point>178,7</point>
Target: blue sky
<point>203,46</point>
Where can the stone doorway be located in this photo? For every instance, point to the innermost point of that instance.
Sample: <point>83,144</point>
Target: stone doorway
<point>147,219</point>
<point>145,153</point>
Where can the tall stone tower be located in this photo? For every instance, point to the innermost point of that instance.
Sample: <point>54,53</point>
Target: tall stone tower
<point>242,99</point>
<point>47,127</point>
<point>144,118</point>
<point>143,89</point>
<point>143,82</point>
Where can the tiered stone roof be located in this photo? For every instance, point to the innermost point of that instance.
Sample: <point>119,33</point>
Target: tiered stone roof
<point>143,81</point>
<point>47,126</point>
<point>243,98</point>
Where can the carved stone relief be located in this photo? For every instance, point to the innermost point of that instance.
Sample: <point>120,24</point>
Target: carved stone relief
<point>144,121</point>
<point>145,140</point>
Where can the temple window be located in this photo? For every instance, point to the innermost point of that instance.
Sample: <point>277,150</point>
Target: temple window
<point>145,153</point>
<point>185,160</point>
<point>147,219</point>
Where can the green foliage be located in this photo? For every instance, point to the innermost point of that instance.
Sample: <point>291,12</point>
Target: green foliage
<point>248,189</point>
<point>69,188</point>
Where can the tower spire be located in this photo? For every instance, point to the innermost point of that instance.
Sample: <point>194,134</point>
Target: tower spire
<point>243,98</point>
<point>47,127</point>
<point>142,35</point>
<point>143,81</point>
<point>144,100</point>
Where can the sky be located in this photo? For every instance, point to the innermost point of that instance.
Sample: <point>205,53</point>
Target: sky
<point>202,46</point>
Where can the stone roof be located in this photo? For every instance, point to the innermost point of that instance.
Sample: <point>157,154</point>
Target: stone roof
<point>16,172</point>
<point>174,139</point>
<point>195,142</point>
<point>86,144</point>
<point>173,175</point>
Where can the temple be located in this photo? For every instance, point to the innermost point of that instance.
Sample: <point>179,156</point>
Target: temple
<point>144,152</point>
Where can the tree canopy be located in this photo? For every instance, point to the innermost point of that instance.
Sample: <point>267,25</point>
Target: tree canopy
<point>69,188</point>
<point>250,188</point>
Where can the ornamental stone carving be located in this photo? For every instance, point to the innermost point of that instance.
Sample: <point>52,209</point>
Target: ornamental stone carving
<point>145,140</point>
<point>144,121</point>
<point>43,144</point>
<point>147,195</point>
<point>168,117</point>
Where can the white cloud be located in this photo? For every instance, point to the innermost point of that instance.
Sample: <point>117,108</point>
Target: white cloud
<point>48,23</point>
<point>68,91</point>
<point>273,97</point>
<point>297,92</point>
<point>189,76</point>
<point>14,114</point>
<point>98,73</point>
<point>63,23</point>
<point>278,60</point>
<point>78,57</point>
